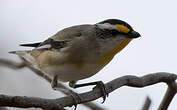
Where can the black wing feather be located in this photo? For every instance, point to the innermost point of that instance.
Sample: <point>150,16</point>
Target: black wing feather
<point>31,45</point>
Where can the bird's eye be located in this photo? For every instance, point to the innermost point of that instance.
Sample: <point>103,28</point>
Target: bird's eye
<point>122,28</point>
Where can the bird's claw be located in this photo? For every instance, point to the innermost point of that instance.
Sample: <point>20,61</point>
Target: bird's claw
<point>102,87</point>
<point>54,83</point>
<point>76,99</point>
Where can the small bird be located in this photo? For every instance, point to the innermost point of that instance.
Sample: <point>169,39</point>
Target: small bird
<point>79,52</point>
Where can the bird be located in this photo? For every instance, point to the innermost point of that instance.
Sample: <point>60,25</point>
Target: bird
<point>78,52</point>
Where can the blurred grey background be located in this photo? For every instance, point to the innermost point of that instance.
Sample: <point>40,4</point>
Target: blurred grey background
<point>28,21</point>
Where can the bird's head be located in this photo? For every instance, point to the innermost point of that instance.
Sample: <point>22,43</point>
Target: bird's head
<point>113,35</point>
<point>117,28</point>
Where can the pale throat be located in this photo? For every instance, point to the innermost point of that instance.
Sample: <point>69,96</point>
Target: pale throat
<point>108,56</point>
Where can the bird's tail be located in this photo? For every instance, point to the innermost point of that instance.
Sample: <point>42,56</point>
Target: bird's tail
<point>20,53</point>
<point>25,55</point>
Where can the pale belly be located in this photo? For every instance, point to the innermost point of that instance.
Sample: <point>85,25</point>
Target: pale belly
<point>70,72</point>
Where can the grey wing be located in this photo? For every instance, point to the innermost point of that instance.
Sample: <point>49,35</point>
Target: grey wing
<point>60,39</point>
<point>73,32</point>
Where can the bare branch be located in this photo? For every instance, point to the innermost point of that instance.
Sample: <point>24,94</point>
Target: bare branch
<point>3,108</point>
<point>26,102</point>
<point>11,64</point>
<point>147,104</point>
<point>170,93</point>
<point>14,65</point>
<point>132,81</point>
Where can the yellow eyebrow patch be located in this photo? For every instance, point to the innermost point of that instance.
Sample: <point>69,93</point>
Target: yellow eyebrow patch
<point>122,28</point>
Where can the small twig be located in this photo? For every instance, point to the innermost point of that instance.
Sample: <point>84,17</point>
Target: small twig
<point>11,64</point>
<point>170,93</point>
<point>133,81</point>
<point>147,104</point>
<point>4,108</point>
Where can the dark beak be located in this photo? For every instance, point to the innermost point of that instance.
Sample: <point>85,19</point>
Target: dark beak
<point>134,34</point>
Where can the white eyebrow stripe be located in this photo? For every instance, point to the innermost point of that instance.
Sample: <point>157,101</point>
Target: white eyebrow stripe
<point>107,26</point>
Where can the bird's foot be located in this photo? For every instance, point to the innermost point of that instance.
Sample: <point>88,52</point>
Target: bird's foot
<point>76,99</point>
<point>102,88</point>
<point>54,82</point>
